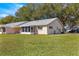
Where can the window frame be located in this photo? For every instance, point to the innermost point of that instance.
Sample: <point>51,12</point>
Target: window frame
<point>50,27</point>
<point>26,29</point>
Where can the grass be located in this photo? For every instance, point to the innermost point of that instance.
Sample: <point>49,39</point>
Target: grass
<point>39,45</point>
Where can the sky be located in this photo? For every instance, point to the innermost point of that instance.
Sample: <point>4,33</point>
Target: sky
<point>9,8</point>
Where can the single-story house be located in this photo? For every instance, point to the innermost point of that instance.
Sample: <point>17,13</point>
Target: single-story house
<point>46,26</point>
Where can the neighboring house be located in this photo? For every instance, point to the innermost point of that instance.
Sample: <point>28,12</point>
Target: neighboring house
<point>12,28</point>
<point>67,28</point>
<point>1,29</point>
<point>75,29</point>
<point>46,26</point>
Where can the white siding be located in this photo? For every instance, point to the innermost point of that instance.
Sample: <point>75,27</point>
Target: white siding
<point>25,33</point>
<point>43,30</point>
<point>56,27</point>
<point>0,30</point>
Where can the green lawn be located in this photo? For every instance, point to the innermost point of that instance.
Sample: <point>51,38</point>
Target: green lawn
<point>39,45</point>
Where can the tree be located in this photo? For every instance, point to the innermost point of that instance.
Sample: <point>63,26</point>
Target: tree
<point>67,13</point>
<point>7,19</point>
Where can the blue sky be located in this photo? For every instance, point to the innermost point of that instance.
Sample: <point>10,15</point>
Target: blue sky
<point>9,8</point>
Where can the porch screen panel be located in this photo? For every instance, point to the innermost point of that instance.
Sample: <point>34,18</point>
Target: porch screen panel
<point>27,29</point>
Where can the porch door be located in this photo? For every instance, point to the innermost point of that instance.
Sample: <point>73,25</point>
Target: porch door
<point>35,30</point>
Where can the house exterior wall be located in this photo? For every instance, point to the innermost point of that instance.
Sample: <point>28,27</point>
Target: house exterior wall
<point>11,31</point>
<point>1,31</point>
<point>43,30</point>
<point>56,27</point>
<point>25,33</point>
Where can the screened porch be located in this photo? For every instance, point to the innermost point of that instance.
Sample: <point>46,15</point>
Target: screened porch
<point>29,30</point>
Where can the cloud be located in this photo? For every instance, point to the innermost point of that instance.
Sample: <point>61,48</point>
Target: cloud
<point>11,10</point>
<point>19,5</point>
<point>3,15</point>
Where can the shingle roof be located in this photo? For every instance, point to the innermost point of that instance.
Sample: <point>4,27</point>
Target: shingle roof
<point>30,23</point>
<point>14,24</point>
<point>38,22</point>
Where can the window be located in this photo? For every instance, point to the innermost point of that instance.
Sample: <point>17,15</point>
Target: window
<point>26,29</point>
<point>50,27</point>
<point>39,27</point>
